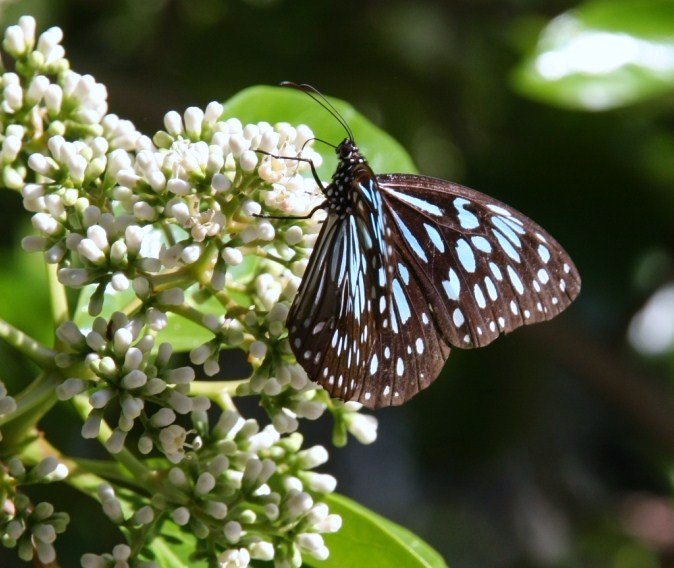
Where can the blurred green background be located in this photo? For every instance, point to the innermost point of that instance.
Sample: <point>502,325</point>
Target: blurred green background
<point>553,447</point>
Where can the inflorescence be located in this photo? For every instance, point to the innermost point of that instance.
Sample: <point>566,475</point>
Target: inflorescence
<point>170,228</point>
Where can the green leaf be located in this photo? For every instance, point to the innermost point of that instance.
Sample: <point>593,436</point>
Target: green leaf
<point>23,289</point>
<point>282,104</point>
<point>173,548</point>
<point>602,55</point>
<point>114,302</point>
<point>368,539</point>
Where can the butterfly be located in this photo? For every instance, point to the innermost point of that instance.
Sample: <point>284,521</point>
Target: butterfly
<point>406,267</point>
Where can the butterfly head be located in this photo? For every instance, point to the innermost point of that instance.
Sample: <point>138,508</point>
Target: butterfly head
<point>349,157</point>
<point>351,163</point>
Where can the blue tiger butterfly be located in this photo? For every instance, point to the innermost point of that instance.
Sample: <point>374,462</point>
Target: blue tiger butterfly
<point>406,267</point>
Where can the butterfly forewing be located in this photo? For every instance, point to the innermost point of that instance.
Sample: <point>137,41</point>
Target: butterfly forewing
<point>361,325</point>
<point>489,268</point>
<point>329,332</point>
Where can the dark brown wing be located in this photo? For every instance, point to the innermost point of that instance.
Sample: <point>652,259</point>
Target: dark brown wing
<point>492,268</point>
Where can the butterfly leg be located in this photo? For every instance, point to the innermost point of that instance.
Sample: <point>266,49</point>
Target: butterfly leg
<point>307,216</point>
<point>297,158</point>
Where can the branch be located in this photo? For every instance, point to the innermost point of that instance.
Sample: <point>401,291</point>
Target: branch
<point>40,355</point>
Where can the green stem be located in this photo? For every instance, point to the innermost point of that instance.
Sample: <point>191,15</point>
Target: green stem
<point>218,391</point>
<point>59,300</point>
<point>108,470</point>
<point>32,403</point>
<point>187,312</point>
<point>180,278</point>
<point>23,343</point>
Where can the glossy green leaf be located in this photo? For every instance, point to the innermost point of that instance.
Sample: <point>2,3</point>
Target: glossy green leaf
<point>282,104</point>
<point>183,334</point>
<point>368,539</point>
<point>602,55</point>
<point>174,546</point>
<point>114,302</point>
<point>23,289</point>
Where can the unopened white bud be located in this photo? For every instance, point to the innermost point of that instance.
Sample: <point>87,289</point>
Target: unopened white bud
<point>190,254</point>
<point>265,231</point>
<point>163,417</point>
<point>232,531</point>
<point>144,515</point>
<point>194,117</point>
<point>205,483</point>
<point>173,123</point>
<point>232,256</point>
<point>181,516</point>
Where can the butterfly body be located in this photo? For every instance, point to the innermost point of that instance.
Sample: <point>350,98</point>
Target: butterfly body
<point>407,266</point>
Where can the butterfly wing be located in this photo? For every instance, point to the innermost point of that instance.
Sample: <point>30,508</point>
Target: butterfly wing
<point>423,265</point>
<point>328,321</point>
<point>485,268</point>
<point>360,324</point>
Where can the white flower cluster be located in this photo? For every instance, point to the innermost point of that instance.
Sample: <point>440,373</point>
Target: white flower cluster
<point>175,224</point>
<point>241,491</point>
<point>129,374</point>
<point>32,529</point>
<point>43,96</point>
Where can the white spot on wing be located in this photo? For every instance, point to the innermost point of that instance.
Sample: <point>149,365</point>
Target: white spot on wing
<point>497,209</point>
<point>466,255</point>
<point>467,219</point>
<point>411,239</point>
<point>515,279</point>
<point>404,273</point>
<point>480,243</point>
<point>374,364</point>
<point>458,318</point>
<point>435,237</point>
<point>401,301</point>
<point>479,296</point>
<point>452,286</point>
<point>496,271</point>
<point>491,289</point>
<point>506,245</point>
<point>416,202</point>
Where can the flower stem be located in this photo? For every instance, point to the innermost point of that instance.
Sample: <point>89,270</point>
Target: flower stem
<point>180,278</point>
<point>218,391</point>
<point>23,343</point>
<point>59,300</point>
<point>32,403</point>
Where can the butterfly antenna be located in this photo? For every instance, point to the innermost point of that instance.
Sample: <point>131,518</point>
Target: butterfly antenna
<point>319,98</point>
<point>317,140</point>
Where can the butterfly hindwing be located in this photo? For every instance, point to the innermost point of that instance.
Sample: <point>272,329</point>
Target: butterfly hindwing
<point>489,268</point>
